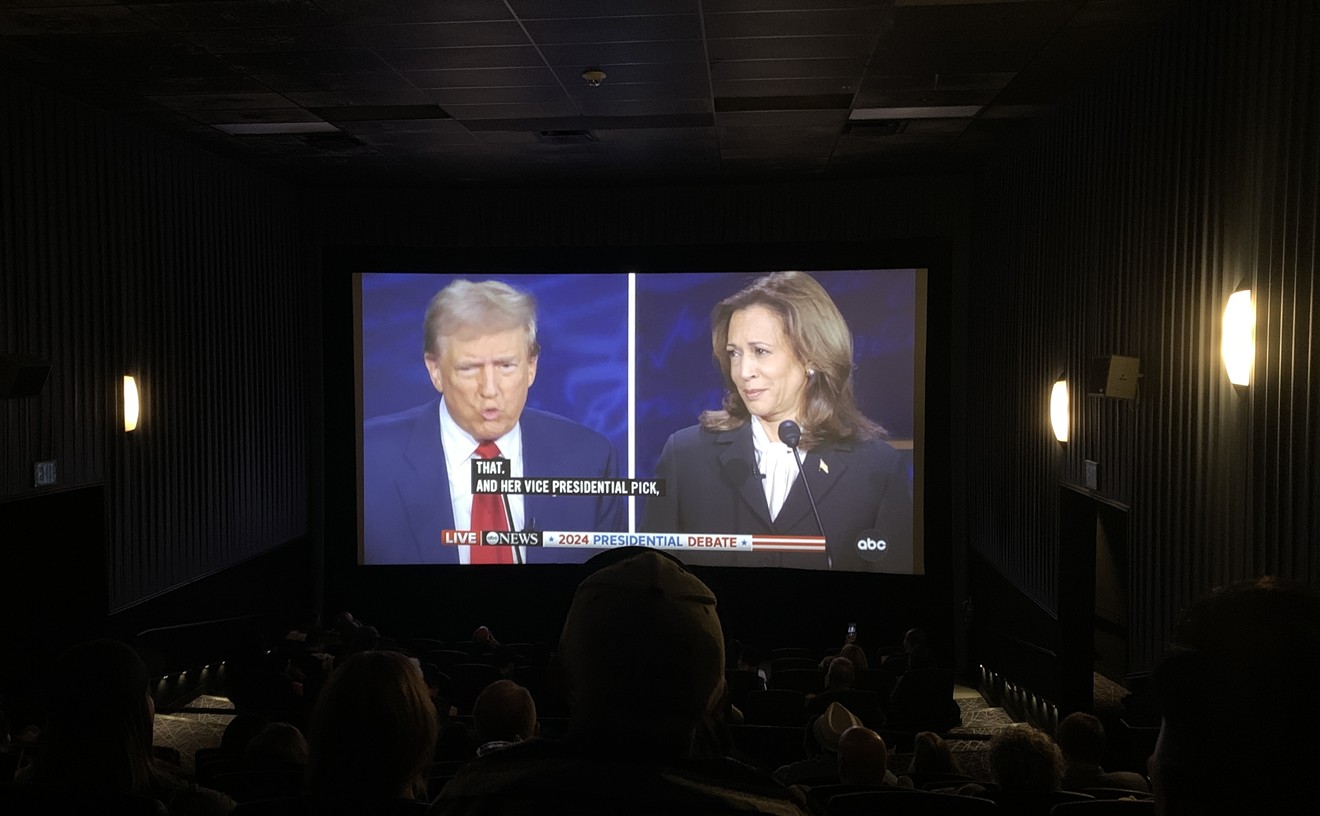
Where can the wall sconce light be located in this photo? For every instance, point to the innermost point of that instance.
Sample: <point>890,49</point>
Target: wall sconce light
<point>1059,410</point>
<point>1238,345</point>
<point>131,404</point>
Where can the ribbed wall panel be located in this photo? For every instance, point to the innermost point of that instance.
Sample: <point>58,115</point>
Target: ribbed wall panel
<point>122,251</point>
<point>1120,227</point>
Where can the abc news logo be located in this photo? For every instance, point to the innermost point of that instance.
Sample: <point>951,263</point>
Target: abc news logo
<point>871,545</point>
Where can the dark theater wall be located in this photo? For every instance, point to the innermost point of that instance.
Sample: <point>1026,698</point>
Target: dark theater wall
<point>124,252</point>
<point>1121,226</point>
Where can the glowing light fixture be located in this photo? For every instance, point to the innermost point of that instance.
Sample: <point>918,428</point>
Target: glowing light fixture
<point>1059,410</point>
<point>131,405</point>
<point>1238,345</point>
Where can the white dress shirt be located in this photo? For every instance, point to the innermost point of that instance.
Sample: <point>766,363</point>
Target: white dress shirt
<point>778,469</point>
<point>460,451</point>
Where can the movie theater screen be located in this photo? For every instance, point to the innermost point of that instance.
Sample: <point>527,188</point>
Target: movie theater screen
<point>617,439</point>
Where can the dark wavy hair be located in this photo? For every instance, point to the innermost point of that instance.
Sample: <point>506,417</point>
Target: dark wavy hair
<point>98,731</point>
<point>819,336</point>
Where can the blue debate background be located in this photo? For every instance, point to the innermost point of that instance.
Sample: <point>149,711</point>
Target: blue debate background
<point>582,324</point>
<point>676,374</point>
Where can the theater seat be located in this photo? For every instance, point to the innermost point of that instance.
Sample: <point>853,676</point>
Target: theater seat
<point>314,806</point>
<point>903,802</point>
<point>923,701</point>
<point>53,800</point>
<point>1106,807</point>
<point>775,706</point>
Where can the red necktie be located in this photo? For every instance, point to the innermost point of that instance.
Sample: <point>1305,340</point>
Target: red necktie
<point>488,514</point>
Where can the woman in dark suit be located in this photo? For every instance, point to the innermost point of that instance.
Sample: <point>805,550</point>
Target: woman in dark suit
<point>785,353</point>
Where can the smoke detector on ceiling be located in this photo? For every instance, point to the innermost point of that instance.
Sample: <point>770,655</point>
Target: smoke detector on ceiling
<point>593,76</point>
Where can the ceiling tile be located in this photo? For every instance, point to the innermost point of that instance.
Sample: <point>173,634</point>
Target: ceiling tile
<point>615,29</point>
<point>634,74</point>
<point>251,115</point>
<point>190,102</point>
<point>483,78</point>
<point>832,22</point>
<point>641,91</point>
<point>244,40</point>
<point>422,59</point>
<point>340,98</point>
<point>204,16</point>
<point>440,35</point>
<point>22,22</point>
<point>445,97</point>
<point>787,69</point>
<point>644,107</point>
<point>342,61</point>
<point>361,83</point>
<point>543,109</point>
<point>414,11</point>
<point>546,9</point>
<point>761,48</point>
<point>582,55</point>
<point>822,86</point>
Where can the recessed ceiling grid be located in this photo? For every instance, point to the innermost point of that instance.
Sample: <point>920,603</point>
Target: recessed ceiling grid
<point>491,91</point>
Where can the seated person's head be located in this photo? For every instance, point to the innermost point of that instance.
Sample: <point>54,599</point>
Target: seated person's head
<point>240,732</point>
<point>857,655</point>
<point>504,711</point>
<point>643,653</point>
<point>828,728</point>
<point>1242,670</point>
<point>1026,760</point>
<point>1081,737</point>
<point>99,720</point>
<point>913,638</point>
<point>863,757</point>
<point>279,746</point>
<point>841,674</point>
<point>373,731</point>
<point>921,657</point>
<point>749,659</point>
<point>931,754</point>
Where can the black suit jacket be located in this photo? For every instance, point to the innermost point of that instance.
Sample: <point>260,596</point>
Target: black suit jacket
<point>406,487</point>
<point>712,486</point>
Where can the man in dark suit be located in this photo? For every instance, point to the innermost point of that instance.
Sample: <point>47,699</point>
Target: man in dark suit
<point>481,354</point>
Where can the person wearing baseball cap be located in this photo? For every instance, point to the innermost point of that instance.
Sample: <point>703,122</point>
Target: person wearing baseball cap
<point>642,654</point>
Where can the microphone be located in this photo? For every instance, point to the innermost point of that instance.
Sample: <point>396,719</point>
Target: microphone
<point>790,434</point>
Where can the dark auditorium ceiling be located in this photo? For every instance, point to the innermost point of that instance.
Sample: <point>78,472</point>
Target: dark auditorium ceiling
<point>389,92</point>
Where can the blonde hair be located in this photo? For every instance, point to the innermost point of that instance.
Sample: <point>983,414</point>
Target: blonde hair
<point>491,305</point>
<point>819,336</point>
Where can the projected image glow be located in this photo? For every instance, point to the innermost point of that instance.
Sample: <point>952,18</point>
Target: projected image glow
<point>613,411</point>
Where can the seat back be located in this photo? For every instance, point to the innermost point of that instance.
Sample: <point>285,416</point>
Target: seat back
<point>775,707</point>
<point>791,651</point>
<point>60,800</point>
<point>807,681</point>
<point>1033,803</point>
<point>785,663</point>
<point>1106,807</point>
<point>903,802</point>
<point>923,701</point>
